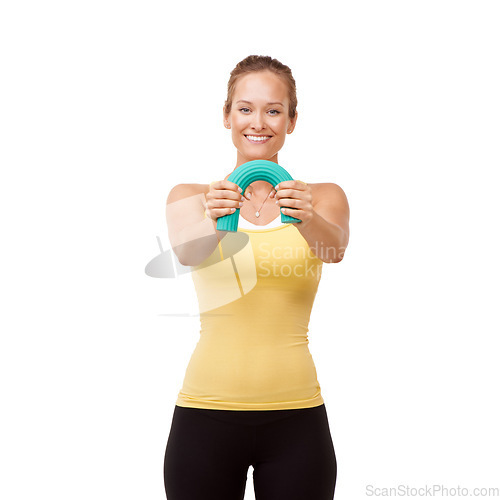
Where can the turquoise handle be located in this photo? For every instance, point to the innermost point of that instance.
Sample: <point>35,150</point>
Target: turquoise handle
<point>256,170</point>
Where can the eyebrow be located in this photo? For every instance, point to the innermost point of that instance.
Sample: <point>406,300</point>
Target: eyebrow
<point>248,102</point>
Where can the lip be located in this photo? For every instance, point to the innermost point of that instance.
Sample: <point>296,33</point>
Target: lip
<point>257,135</point>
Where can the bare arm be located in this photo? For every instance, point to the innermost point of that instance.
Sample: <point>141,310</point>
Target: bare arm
<point>328,231</point>
<point>193,236</point>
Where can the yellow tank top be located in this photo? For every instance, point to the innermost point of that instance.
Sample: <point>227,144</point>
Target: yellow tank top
<point>255,294</point>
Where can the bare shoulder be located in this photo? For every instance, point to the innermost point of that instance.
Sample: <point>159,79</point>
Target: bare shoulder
<point>328,192</point>
<point>181,191</point>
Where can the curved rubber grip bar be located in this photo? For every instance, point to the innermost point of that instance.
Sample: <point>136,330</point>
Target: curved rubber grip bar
<point>256,170</point>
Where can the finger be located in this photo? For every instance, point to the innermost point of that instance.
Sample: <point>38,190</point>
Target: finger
<point>215,213</point>
<point>291,194</point>
<point>225,192</point>
<point>223,203</point>
<point>228,194</point>
<point>294,184</point>
<point>288,202</point>
<point>225,184</point>
<point>293,212</point>
<point>233,186</point>
<point>232,190</point>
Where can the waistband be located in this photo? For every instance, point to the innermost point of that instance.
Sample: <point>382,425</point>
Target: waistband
<point>249,417</point>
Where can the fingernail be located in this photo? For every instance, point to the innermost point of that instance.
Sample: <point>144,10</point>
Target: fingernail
<point>239,189</point>
<point>277,187</point>
<point>249,195</point>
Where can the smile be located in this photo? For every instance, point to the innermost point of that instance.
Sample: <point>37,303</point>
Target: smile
<point>258,139</point>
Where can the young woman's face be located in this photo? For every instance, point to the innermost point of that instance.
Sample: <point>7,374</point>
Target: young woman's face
<point>259,118</point>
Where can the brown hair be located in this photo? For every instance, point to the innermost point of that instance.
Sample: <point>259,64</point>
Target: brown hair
<point>262,63</point>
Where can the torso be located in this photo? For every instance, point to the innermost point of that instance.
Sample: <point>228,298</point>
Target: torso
<point>270,209</point>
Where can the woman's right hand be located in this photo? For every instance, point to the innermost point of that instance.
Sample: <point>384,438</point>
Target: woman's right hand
<point>223,198</point>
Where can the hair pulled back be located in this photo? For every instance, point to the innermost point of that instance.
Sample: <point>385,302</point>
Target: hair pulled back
<point>262,63</point>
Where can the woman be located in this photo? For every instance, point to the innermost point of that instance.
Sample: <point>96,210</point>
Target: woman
<point>250,394</point>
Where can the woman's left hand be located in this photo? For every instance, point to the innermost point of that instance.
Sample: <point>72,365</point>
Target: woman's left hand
<point>296,195</point>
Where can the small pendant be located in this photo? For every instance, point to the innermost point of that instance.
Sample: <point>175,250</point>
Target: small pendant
<point>257,214</point>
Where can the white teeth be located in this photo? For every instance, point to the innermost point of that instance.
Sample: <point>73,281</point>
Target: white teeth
<point>258,137</point>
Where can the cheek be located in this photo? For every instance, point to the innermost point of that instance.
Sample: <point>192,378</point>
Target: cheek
<point>237,115</point>
<point>238,123</point>
<point>283,125</point>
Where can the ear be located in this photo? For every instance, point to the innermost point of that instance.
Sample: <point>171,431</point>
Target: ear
<point>293,121</point>
<point>225,119</point>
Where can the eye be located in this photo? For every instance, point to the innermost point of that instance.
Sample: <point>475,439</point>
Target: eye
<point>244,110</point>
<point>274,112</point>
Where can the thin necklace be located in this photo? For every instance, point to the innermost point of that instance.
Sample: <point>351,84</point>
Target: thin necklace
<point>257,213</point>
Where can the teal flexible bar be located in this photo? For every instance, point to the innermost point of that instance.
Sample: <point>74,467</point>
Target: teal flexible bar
<point>256,170</point>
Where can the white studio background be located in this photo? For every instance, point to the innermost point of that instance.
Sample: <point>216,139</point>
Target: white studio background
<point>106,105</point>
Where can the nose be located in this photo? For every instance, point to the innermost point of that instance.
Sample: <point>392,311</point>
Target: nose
<point>258,122</point>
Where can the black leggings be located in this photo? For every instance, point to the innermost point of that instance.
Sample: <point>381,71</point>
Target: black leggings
<point>209,451</point>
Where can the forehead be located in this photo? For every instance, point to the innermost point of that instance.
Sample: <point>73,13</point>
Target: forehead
<point>261,86</point>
